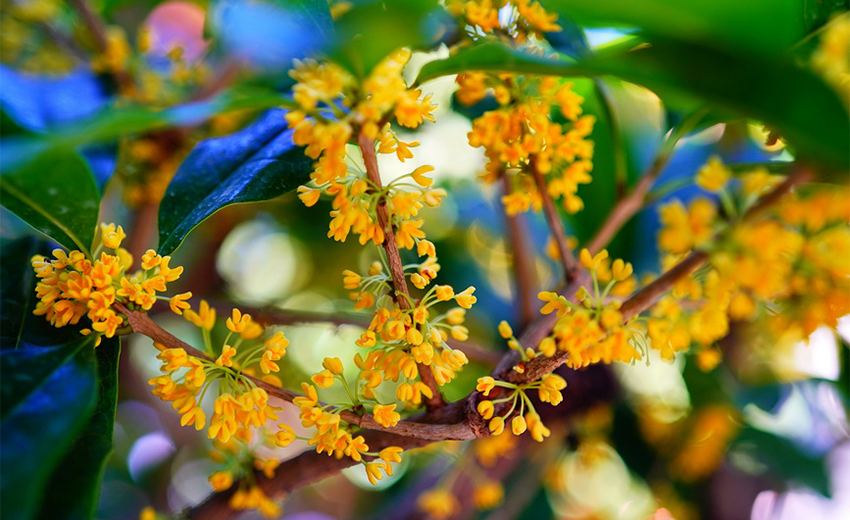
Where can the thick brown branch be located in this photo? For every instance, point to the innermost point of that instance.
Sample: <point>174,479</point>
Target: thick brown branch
<point>310,467</point>
<point>556,227</point>
<point>525,277</point>
<point>401,292</point>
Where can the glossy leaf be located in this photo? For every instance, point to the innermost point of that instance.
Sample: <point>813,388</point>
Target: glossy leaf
<point>258,163</point>
<point>373,29</point>
<point>74,488</point>
<point>791,100</point>
<point>758,25</point>
<point>56,194</point>
<point>47,393</point>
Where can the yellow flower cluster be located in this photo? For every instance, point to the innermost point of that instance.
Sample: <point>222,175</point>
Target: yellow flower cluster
<point>334,108</point>
<point>240,404</point>
<point>72,285</point>
<point>790,258</point>
<point>549,391</point>
<point>239,460</point>
<point>402,340</point>
<point>519,18</point>
<point>333,435</point>
<point>832,57</point>
<point>521,136</point>
<point>593,330</point>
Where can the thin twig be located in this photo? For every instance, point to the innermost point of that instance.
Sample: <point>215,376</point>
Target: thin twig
<point>556,227</point>
<point>97,27</point>
<point>310,466</point>
<point>525,277</point>
<point>628,206</point>
<point>142,324</point>
<point>401,292</point>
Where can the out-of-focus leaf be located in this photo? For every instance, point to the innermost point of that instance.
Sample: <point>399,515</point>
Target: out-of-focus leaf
<point>759,25</point>
<point>374,28</point>
<point>47,390</point>
<point>75,486</point>
<point>784,459</point>
<point>113,123</point>
<point>41,103</point>
<point>56,194</point>
<point>270,34</point>
<point>791,100</point>
<point>258,163</point>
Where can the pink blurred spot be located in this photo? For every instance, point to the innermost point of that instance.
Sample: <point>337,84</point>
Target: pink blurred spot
<point>177,24</point>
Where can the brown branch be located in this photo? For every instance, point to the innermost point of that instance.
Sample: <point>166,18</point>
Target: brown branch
<point>525,277</point>
<point>556,227</point>
<point>97,27</point>
<point>310,466</point>
<point>401,292</point>
<point>141,323</point>
<point>627,207</point>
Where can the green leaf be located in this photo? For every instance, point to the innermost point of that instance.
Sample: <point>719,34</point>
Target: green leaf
<point>258,163</point>
<point>373,29</point>
<point>47,393</point>
<point>791,100</point>
<point>759,25</point>
<point>75,486</point>
<point>784,459</point>
<point>56,194</point>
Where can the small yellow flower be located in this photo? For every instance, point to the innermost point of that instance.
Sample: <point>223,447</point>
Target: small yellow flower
<point>486,409</point>
<point>594,262</point>
<point>285,436</point>
<point>323,379</point>
<point>351,280</point>
<point>505,329</point>
<point>488,495</point>
<point>714,175</point>
<point>386,415</point>
<point>178,302</point>
<point>518,425</point>
<point>419,176</point>
<point>485,384</point>
<point>333,365</point>
<point>548,346</point>
<point>238,321</point>
<point>497,425</point>
<point>112,236</point>
<point>150,260</point>
<point>444,292</point>
<point>309,196</point>
<point>465,298</point>
<point>373,471</point>
<point>224,360</point>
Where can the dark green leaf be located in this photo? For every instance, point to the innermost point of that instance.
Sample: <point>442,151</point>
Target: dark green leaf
<point>56,194</point>
<point>760,25</point>
<point>784,459</point>
<point>75,486</point>
<point>47,395</point>
<point>372,29</point>
<point>258,163</point>
<point>791,100</point>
